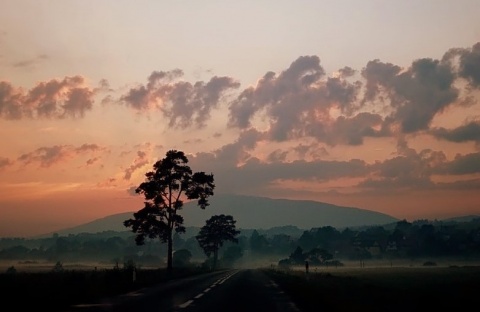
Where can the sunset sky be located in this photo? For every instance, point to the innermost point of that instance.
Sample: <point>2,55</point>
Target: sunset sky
<point>368,104</point>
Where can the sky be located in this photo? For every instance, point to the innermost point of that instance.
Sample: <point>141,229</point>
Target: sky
<point>367,104</point>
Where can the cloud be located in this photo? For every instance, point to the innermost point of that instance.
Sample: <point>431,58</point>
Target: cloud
<point>255,175</point>
<point>236,170</point>
<point>463,185</point>
<point>297,102</point>
<point>351,131</point>
<point>408,170</point>
<point>31,62</point>
<point>183,103</point>
<point>68,97</point>
<point>132,191</point>
<point>52,155</point>
<point>461,165</point>
<point>140,161</point>
<point>464,133</point>
<point>277,94</point>
<point>5,163</point>
<point>414,95</point>
<point>314,151</point>
<point>346,72</point>
<point>468,61</point>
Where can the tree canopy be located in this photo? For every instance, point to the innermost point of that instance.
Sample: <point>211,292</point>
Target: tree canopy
<point>217,230</point>
<point>165,189</point>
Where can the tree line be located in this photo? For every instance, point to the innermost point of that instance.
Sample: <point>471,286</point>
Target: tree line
<point>401,240</point>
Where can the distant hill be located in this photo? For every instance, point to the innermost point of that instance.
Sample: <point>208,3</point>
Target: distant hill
<point>255,213</point>
<point>461,219</point>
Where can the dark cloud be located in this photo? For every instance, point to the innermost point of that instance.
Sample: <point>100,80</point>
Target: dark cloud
<point>5,163</point>
<point>52,99</point>
<point>313,150</point>
<point>297,102</point>
<point>462,185</point>
<point>415,95</point>
<point>131,191</point>
<point>277,156</point>
<point>279,94</point>
<point>88,147</point>
<point>237,171</point>
<point>343,94</point>
<point>464,133</point>
<point>346,72</point>
<point>31,62</point>
<point>11,105</point>
<point>238,152</point>
<point>191,104</point>
<point>140,160</point>
<point>183,103</point>
<point>49,156</point>
<point>92,161</point>
<point>256,176</point>
<point>468,61</point>
<point>379,76</point>
<point>409,170</point>
<point>351,131</point>
<point>461,165</point>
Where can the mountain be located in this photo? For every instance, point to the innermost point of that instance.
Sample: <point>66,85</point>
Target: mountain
<point>255,213</point>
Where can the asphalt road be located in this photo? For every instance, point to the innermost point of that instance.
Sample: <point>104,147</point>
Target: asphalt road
<point>226,291</point>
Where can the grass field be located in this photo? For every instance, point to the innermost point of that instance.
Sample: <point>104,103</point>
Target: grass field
<point>405,289</point>
<point>372,286</point>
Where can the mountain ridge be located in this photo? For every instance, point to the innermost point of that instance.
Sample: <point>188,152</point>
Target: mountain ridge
<point>254,212</point>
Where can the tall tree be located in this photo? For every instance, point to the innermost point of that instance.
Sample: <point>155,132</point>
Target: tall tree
<point>165,188</point>
<point>217,230</point>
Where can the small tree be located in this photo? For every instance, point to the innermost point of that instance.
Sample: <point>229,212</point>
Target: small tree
<point>165,188</point>
<point>214,233</point>
<point>232,254</point>
<point>182,257</point>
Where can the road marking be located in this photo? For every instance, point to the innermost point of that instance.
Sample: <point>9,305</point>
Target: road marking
<point>218,282</point>
<point>186,304</point>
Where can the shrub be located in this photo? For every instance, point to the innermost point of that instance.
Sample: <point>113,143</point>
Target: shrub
<point>429,263</point>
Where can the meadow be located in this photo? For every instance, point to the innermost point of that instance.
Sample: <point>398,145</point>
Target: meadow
<point>369,286</point>
<point>381,288</point>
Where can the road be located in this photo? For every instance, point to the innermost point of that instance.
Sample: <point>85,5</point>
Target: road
<point>233,291</point>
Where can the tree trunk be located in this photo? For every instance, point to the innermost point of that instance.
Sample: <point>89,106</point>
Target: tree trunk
<point>169,252</point>
<point>215,256</point>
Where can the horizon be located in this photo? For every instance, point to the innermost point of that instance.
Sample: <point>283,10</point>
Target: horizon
<point>74,228</point>
<point>373,105</point>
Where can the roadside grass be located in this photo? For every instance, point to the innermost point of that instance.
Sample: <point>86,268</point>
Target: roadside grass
<point>381,289</point>
<point>58,290</point>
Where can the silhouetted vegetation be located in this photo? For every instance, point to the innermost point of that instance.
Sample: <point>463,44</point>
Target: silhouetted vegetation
<point>216,231</point>
<point>59,289</point>
<point>381,289</point>
<point>165,189</point>
<point>126,266</point>
<point>402,240</point>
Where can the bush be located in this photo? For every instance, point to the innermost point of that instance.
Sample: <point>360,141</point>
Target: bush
<point>429,263</point>
<point>58,267</point>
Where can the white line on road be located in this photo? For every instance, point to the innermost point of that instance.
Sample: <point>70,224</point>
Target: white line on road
<point>218,282</point>
<point>186,304</point>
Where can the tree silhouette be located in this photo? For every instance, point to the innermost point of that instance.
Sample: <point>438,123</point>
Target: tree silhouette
<point>165,188</point>
<point>215,232</point>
